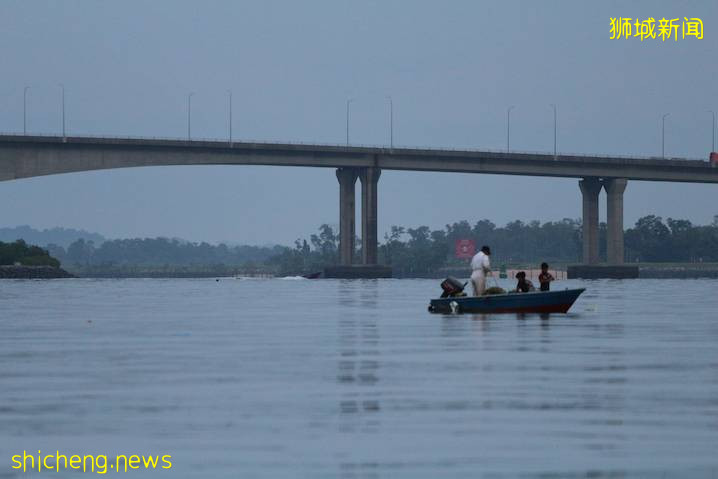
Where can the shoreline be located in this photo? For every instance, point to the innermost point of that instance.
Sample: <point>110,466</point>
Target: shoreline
<point>33,272</point>
<point>646,271</point>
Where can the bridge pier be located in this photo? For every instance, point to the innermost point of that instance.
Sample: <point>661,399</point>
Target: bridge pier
<point>369,214</point>
<point>590,188</point>
<point>590,269</point>
<point>614,219</point>
<point>369,268</point>
<point>347,229</point>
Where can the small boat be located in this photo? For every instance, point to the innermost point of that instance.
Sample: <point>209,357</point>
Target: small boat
<point>312,275</point>
<point>534,302</point>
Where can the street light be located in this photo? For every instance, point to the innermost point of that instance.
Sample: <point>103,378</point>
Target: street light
<point>348,102</point>
<point>663,135</point>
<point>554,130</point>
<point>230,116</point>
<point>189,116</point>
<point>508,128</point>
<point>391,122</point>
<point>63,109</point>
<point>713,131</point>
<point>24,110</point>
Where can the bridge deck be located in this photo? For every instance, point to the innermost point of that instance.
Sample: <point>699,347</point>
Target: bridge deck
<point>28,156</point>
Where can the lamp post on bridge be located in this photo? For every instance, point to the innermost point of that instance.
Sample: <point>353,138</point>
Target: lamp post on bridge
<point>391,122</point>
<point>555,114</point>
<point>663,135</point>
<point>713,130</point>
<point>24,110</point>
<point>189,116</point>
<point>508,128</point>
<point>230,116</point>
<point>348,103</point>
<point>62,87</point>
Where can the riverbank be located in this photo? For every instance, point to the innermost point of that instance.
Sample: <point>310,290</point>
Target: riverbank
<point>678,270</point>
<point>167,271</point>
<point>33,272</point>
<point>646,271</point>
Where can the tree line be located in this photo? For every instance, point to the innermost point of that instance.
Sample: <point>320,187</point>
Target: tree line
<point>410,251</point>
<point>422,251</point>
<point>153,252</point>
<point>653,240</point>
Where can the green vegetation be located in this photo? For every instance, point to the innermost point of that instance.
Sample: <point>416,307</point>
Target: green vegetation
<point>422,251</point>
<point>162,256</point>
<point>652,240</point>
<point>410,251</point>
<point>26,255</point>
<point>304,258</point>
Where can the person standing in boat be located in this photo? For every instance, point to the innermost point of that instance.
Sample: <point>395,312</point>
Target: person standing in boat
<point>481,267</point>
<point>545,277</point>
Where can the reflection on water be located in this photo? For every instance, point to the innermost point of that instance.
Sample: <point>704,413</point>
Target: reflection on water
<point>358,357</point>
<point>359,370</point>
<point>354,379</point>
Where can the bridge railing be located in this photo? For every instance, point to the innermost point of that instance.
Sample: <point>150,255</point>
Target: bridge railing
<point>221,141</point>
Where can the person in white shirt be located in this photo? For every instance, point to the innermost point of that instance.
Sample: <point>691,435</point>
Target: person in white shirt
<point>481,267</point>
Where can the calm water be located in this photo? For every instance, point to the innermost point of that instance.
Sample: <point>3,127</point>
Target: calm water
<point>354,379</point>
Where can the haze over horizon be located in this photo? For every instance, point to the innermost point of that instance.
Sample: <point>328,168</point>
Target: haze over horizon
<point>452,70</point>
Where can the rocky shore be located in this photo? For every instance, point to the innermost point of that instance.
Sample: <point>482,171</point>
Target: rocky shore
<point>33,272</point>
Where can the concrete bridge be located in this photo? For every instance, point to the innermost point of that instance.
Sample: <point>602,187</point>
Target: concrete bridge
<point>30,156</point>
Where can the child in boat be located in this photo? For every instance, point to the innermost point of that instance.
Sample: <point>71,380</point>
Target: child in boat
<point>524,285</point>
<point>545,277</point>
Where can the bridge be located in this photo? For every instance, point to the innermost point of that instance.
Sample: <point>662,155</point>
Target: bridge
<point>30,156</point>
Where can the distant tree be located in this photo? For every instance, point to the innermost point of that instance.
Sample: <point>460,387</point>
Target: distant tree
<point>392,250</point>
<point>483,229</point>
<point>682,243</point>
<point>80,252</point>
<point>57,251</point>
<point>460,230</point>
<point>326,243</point>
<point>24,254</point>
<point>650,240</point>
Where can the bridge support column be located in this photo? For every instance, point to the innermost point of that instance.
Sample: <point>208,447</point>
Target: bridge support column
<point>614,219</point>
<point>369,268</point>
<point>347,229</point>
<point>369,181</point>
<point>590,188</point>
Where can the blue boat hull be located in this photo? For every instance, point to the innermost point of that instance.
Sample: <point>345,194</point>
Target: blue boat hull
<point>534,302</point>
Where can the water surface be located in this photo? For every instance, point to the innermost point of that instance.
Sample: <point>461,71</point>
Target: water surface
<point>354,379</point>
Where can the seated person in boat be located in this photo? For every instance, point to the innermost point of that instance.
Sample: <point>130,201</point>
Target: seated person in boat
<point>524,285</point>
<point>545,278</point>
